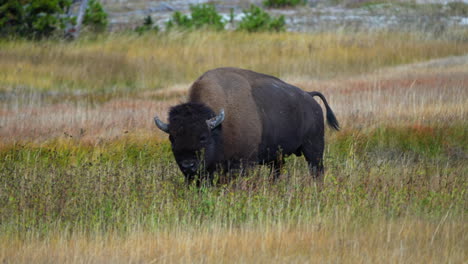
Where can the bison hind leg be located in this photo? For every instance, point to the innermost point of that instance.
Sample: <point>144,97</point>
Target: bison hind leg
<point>313,152</point>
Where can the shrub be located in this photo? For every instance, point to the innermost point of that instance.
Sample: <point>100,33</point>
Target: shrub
<point>202,16</point>
<point>37,19</point>
<point>206,15</point>
<point>32,19</point>
<point>283,3</point>
<point>95,17</point>
<point>256,19</point>
<point>148,25</point>
<point>458,8</point>
<point>179,20</point>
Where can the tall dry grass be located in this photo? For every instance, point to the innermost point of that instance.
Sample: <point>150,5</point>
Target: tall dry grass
<point>324,240</point>
<point>85,177</point>
<point>414,95</point>
<point>130,62</point>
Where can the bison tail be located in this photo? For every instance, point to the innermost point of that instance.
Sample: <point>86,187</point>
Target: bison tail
<point>331,119</point>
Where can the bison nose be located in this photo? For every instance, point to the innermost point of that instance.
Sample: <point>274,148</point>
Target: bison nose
<point>188,164</point>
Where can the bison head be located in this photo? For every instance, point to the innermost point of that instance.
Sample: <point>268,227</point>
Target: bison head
<point>195,134</point>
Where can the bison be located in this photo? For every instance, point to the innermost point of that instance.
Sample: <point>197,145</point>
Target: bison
<point>235,118</point>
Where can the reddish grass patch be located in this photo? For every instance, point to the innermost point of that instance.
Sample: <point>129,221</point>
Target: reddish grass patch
<point>358,102</point>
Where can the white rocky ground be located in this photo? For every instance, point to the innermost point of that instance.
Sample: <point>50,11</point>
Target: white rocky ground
<point>317,15</point>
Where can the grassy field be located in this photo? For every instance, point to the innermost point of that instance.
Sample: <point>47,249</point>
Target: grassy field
<point>150,62</point>
<point>86,177</point>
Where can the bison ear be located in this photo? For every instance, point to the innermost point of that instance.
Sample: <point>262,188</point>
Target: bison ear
<point>161,125</point>
<point>216,121</point>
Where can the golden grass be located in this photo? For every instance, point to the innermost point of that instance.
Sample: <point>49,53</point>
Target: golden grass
<point>325,240</point>
<point>129,62</point>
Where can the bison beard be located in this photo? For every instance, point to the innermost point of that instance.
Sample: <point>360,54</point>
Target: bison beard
<point>236,118</point>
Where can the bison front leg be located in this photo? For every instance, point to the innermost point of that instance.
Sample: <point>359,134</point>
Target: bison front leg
<point>199,180</point>
<point>207,179</point>
<point>276,168</point>
<point>189,179</point>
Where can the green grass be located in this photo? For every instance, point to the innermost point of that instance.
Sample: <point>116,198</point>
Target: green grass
<point>386,172</point>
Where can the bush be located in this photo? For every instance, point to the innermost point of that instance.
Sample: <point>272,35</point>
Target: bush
<point>148,25</point>
<point>38,19</point>
<point>283,3</point>
<point>458,8</point>
<point>32,18</point>
<point>95,17</point>
<point>202,16</point>
<point>179,20</point>
<point>256,19</point>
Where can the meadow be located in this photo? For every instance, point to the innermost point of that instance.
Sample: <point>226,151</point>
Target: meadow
<point>86,177</point>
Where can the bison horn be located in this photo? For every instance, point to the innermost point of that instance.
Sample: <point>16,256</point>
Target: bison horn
<point>161,125</point>
<point>215,121</point>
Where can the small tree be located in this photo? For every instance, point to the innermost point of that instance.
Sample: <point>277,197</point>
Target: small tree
<point>283,3</point>
<point>37,19</point>
<point>179,20</point>
<point>206,16</point>
<point>202,16</point>
<point>256,19</point>
<point>95,17</point>
<point>458,8</point>
<point>148,25</point>
<point>32,18</point>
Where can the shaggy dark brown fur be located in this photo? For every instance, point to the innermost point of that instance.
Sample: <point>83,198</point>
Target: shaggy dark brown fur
<point>265,120</point>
